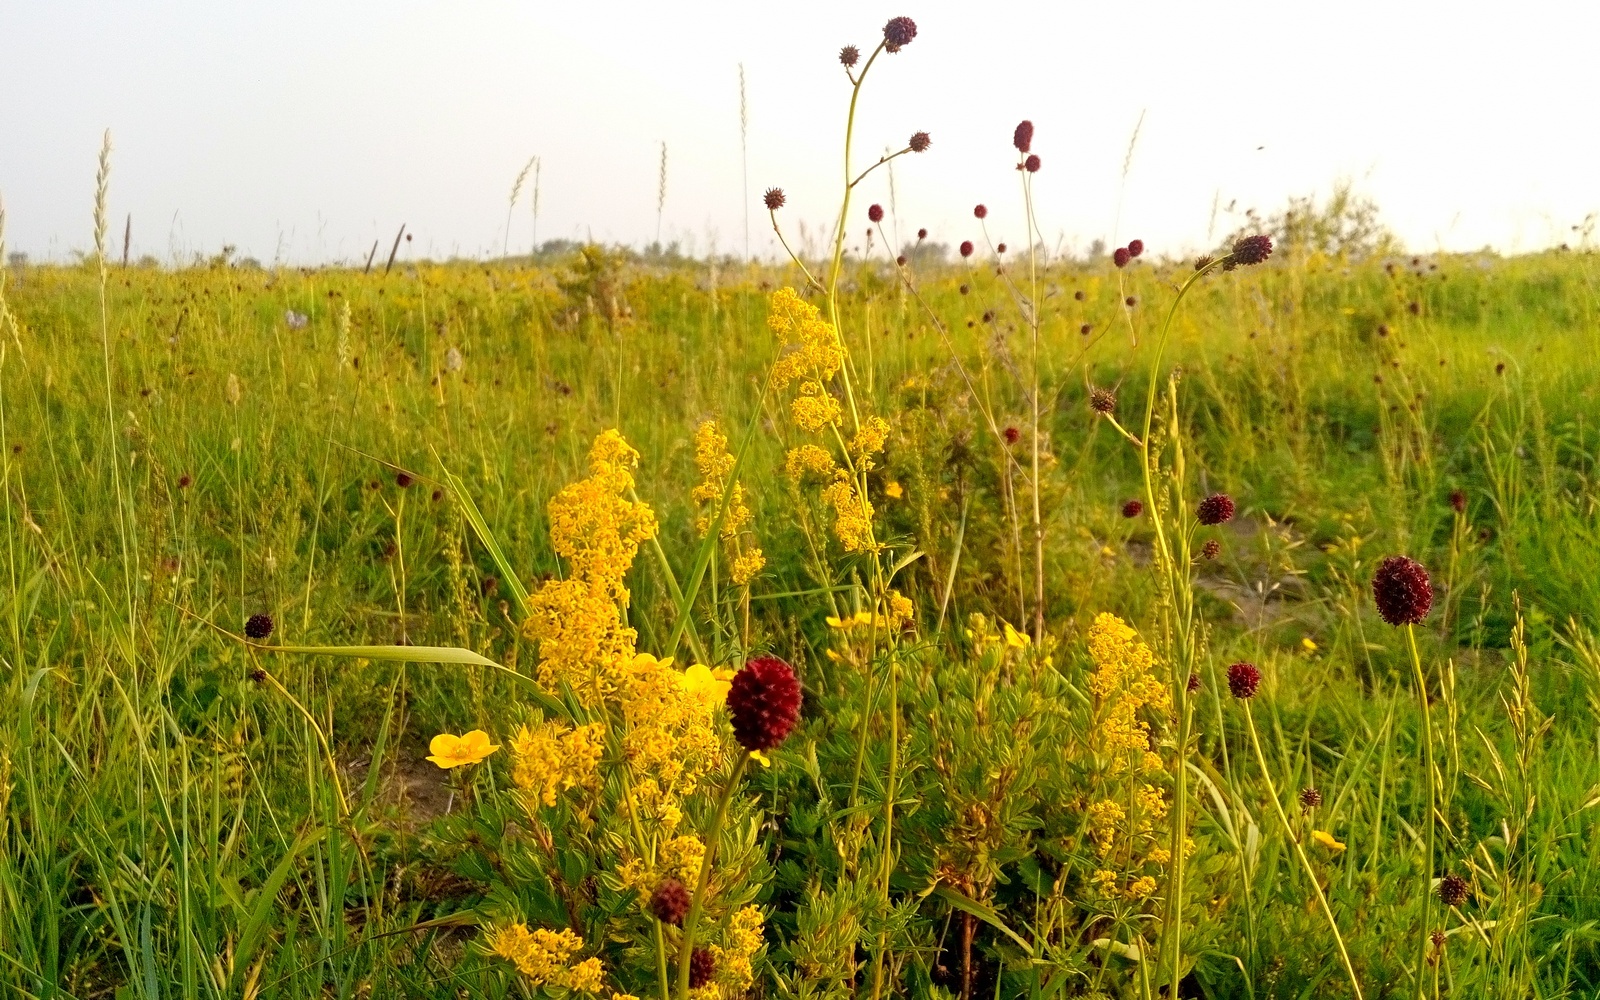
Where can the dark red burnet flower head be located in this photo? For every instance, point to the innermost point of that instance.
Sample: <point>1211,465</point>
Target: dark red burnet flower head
<point>1211,549</point>
<point>773,199</point>
<point>875,213</point>
<point>1215,509</point>
<point>1135,247</point>
<point>1120,256</point>
<point>1102,400</point>
<point>1458,501</point>
<point>920,141</point>
<point>898,33</point>
<point>1133,508</point>
<point>1032,163</point>
<point>848,55</point>
<point>1453,890</point>
<point>922,234</point>
<point>258,627</point>
<point>1022,136</point>
<point>966,248</point>
<point>1310,798</point>
<point>403,480</point>
<point>764,703</point>
<point>1012,435</point>
<point>1402,591</point>
<point>1192,684</point>
<point>1243,679</point>
<point>702,968</point>
<point>980,211</point>
<point>1249,250</point>
<point>1001,248</point>
<point>670,902</point>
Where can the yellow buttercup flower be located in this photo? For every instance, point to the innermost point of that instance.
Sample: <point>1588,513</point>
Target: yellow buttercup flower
<point>1310,647</point>
<point>453,751</point>
<point>1327,840</point>
<point>1015,639</point>
<point>710,686</point>
<point>893,490</point>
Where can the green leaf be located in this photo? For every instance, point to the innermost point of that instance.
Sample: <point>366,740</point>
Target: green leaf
<point>985,913</point>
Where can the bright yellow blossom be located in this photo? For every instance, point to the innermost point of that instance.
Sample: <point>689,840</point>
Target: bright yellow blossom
<point>453,751</point>
<point>1327,840</point>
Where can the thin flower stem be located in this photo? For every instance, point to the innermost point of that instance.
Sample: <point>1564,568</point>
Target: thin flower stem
<point>1426,739</point>
<point>713,836</point>
<point>1299,850</point>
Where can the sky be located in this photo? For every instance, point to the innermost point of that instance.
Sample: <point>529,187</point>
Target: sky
<point>302,132</point>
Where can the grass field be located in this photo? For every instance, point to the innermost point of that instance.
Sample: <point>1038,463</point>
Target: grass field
<point>175,824</point>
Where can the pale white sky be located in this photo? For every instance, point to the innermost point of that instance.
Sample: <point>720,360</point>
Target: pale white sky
<point>302,130</point>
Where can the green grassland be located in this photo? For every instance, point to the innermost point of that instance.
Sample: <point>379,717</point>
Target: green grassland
<point>167,816</point>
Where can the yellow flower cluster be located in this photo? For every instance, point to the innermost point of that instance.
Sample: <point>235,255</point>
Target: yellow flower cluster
<point>554,758</point>
<point>815,354</point>
<point>578,622</point>
<point>852,514</point>
<point>743,940</point>
<point>542,955</point>
<point>671,734</point>
<point>808,459</point>
<point>813,409</point>
<point>869,440</point>
<point>1124,686</point>
<point>711,457</point>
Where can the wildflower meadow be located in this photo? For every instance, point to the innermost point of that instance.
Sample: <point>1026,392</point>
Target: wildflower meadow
<point>867,623</point>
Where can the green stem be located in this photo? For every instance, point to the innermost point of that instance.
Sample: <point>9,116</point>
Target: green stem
<point>1426,739</point>
<point>713,836</point>
<point>1300,851</point>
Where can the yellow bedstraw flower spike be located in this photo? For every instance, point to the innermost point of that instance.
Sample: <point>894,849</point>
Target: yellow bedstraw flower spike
<point>453,751</point>
<point>1327,840</point>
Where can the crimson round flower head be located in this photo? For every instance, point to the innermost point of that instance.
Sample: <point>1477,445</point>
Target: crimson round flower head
<point>980,212</point>
<point>702,967</point>
<point>1001,248</point>
<point>1211,549</point>
<point>1201,263</point>
<point>901,260</point>
<point>258,626</point>
<point>1215,509</point>
<point>670,902</point>
<point>1086,329</point>
<point>1458,501</point>
<point>875,213</point>
<point>1133,508</point>
<point>922,234</point>
<point>1102,400</point>
<point>1252,249</point>
<point>898,33</point>
<point>1120,256</point>
<point>1402,591</point>
<point>1135,247</point>
<point>848,55</point>
<point>403,480</point>
<point>1012,435</point>
<point>920,141</point>
<point>1131,301</point>
<point>1193,683</point>
<point>1453,890</point>
<point>1310,798</point>
<point>1022,138</point>
<point>966,248</point>
<point>764,703</point>
<point>1032,163</point>
<point>773,199</point>
<point>1243,679</point>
